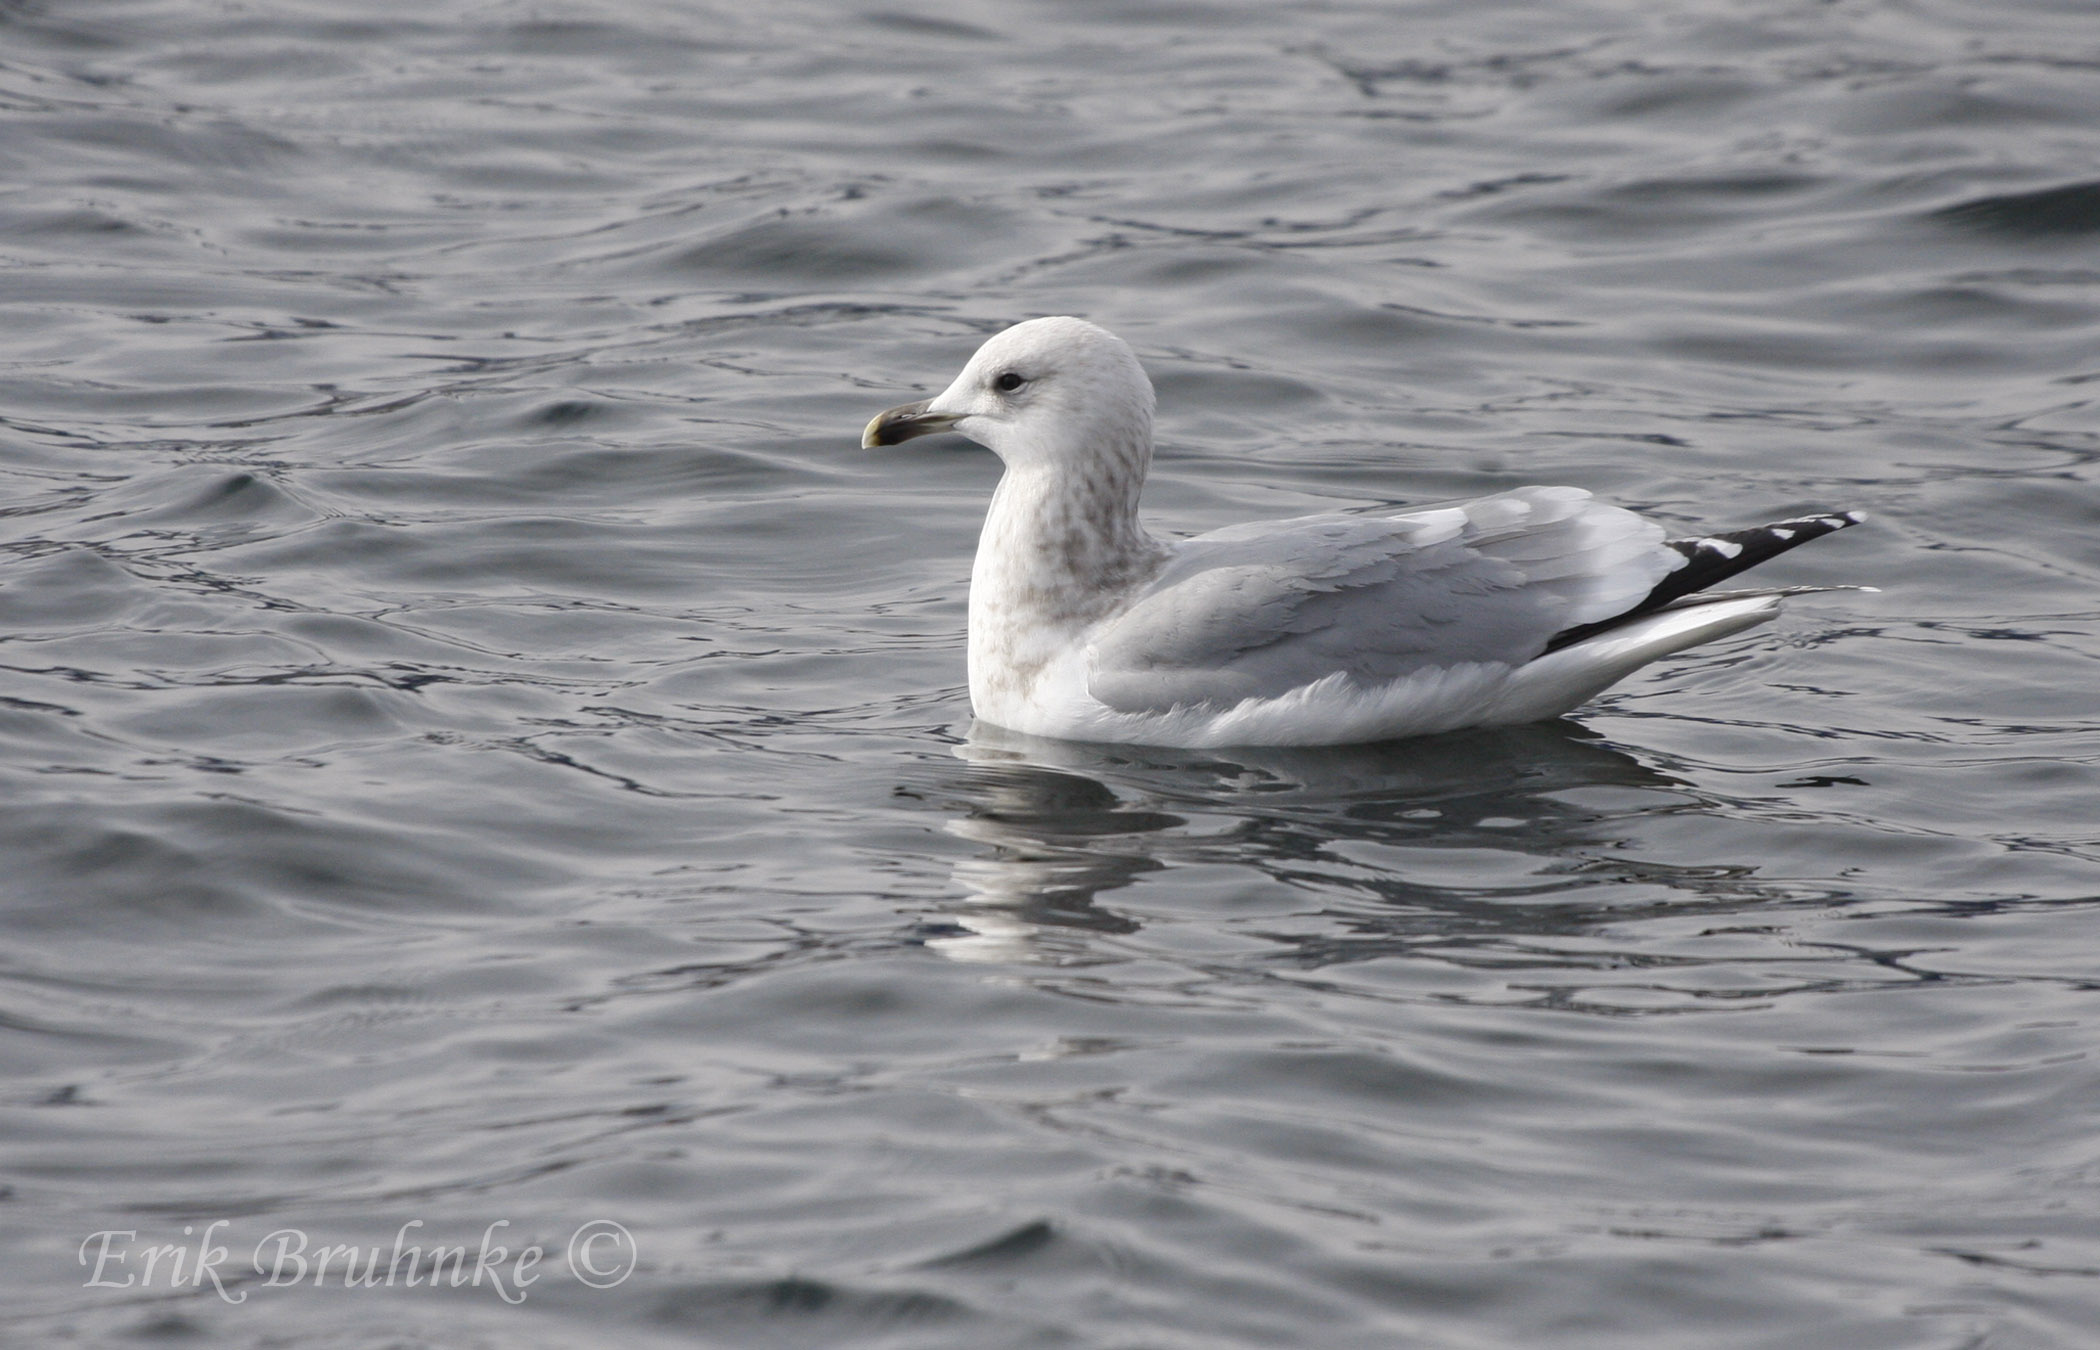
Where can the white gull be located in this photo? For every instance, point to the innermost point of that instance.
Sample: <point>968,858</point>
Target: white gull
<point>1319,630</point>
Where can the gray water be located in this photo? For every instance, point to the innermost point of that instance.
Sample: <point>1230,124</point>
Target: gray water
<point>485,751</point>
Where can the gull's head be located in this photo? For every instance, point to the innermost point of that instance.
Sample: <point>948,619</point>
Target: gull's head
<point>1057,390</point>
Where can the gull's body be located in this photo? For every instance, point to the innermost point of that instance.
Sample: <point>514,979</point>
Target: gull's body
<point>1319,630</point>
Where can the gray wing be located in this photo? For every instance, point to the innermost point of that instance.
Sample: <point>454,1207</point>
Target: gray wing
<point>1255,611</point>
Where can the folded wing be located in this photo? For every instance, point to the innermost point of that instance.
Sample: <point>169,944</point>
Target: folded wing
<point>1258,610</point>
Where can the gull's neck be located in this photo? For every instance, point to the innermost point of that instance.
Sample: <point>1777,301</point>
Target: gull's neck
<point>1062,549</point>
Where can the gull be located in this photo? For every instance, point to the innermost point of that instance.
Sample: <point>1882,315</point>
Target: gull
<point>1319,630</point>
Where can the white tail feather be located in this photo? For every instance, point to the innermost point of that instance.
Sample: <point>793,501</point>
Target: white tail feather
<point>1560,681</point>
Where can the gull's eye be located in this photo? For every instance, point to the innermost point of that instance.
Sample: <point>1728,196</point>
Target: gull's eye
<point>1008,382</point>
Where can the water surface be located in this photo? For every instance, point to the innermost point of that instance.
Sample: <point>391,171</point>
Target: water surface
<point>484,746</point>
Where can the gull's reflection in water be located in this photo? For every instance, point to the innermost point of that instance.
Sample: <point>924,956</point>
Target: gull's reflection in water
<point>1062,823</point>
<point>1053,841</point>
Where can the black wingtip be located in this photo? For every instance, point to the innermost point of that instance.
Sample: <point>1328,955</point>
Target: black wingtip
<point>1712,559</point>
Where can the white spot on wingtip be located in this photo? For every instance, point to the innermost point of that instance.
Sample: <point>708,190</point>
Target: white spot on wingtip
<point>1722,547</point>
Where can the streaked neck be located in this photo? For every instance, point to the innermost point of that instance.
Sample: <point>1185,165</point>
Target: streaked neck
<point>1061,549</point>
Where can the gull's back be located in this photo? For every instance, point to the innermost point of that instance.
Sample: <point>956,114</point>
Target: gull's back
<point>1503,609</point>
